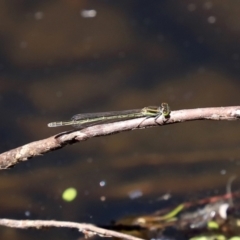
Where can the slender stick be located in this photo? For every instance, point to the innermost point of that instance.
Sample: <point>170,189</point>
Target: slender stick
<point>33,149</point>
<point>88,230</point>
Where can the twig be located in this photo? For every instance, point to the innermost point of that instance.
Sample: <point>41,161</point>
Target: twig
<point>87,229</point>
<point>25,152</point>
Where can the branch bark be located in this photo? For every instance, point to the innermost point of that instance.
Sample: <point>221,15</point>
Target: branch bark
<point>88,230</point>
<point>33,149</point>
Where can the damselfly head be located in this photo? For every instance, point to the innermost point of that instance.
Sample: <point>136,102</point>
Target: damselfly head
<point>165,109</point>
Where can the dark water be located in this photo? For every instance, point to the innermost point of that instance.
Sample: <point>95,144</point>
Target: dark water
<point>60,58</point>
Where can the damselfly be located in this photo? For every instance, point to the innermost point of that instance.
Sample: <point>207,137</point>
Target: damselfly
<point>83,120</point>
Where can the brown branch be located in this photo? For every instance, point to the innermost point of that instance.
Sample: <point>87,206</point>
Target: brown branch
<point>87,229</point>
<point>23,153</point>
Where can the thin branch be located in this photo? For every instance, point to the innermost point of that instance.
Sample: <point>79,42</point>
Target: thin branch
<point>87,229</point>
<point>25,152</point>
